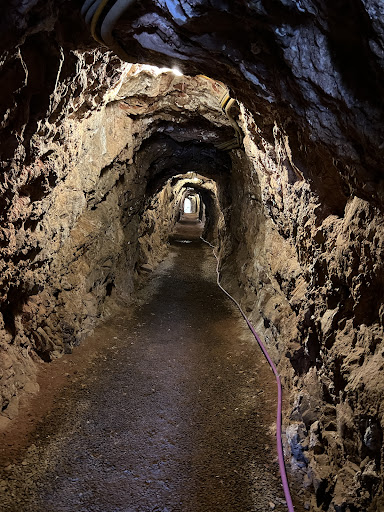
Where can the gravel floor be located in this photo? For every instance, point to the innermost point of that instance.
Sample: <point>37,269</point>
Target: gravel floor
<point>172,412</point>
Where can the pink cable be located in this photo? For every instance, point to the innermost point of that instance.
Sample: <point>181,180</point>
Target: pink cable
<point>280,454</point>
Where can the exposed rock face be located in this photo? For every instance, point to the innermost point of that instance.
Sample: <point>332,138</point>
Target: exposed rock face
<point>71,218</point>
<point>88,144</point>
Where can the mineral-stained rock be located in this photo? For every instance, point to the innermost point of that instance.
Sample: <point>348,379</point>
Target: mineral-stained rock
<point>92,150</point>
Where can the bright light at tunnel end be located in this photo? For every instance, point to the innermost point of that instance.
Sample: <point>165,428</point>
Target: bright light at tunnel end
<point>156,70</point>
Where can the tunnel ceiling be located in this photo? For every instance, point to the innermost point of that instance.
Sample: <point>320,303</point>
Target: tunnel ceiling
<point>170,157</point>
<point>193,183</point>
<point>288,62</point>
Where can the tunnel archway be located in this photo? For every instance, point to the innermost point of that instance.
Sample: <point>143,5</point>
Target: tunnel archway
<point>163,210</point>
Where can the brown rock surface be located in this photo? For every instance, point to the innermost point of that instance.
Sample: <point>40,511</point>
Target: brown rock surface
<point>88,144</point>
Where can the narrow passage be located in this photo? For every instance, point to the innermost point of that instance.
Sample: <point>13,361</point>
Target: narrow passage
<point>173,414</point>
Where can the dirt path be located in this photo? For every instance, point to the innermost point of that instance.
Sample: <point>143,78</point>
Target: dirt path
<point>171,414</point>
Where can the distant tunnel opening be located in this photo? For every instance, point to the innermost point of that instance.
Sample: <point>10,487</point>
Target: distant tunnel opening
<point>181,207</point>
<point>189,205</point>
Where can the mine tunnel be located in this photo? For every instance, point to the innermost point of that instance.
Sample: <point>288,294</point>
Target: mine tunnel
<point>149,152</point>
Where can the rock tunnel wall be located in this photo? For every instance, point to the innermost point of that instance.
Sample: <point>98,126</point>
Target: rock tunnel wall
<point>301,237</point>
<point>303,279</point>
<point>76,223</point>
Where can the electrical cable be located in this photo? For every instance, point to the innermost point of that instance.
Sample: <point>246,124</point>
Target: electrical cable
<point>279,445</point>
<point>86,6</point>
<point>226,103</point>
<point>95,19</point>
<point>91,12</point>
<point>110,20</point>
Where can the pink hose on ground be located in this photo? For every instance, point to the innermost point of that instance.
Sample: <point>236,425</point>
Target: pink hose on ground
<point>280,454</point>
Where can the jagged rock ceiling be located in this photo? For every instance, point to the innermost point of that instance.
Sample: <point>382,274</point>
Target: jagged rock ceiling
<point>315,68</point>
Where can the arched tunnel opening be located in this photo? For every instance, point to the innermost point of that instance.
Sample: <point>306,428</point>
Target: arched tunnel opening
<point>134,135</point>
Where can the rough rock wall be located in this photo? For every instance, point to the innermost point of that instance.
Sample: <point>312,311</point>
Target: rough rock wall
<point>158,221</point>
<point>72,194</point>
<point>312,283</point>
<point>310,271</point>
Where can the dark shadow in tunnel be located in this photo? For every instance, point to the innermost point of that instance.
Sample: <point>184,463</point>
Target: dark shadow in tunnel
<point>172,158</point>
